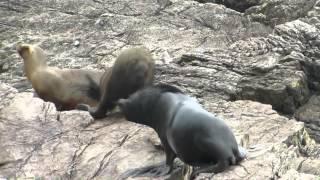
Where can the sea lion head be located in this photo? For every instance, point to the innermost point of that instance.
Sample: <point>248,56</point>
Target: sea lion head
<point>32,54</point>
<point>131,110</point>
<point>139,106</point>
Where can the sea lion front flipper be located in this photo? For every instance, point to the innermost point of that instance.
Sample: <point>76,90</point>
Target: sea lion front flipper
<point>96,113</point>
<point>92,110</point>
<point>83,107</point>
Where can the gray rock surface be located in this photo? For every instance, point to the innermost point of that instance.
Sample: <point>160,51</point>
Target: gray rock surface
<point>255,69</point>
<point>39,141</point>
<point>310,115</point>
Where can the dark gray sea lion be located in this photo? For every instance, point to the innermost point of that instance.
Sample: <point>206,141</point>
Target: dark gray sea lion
<point>186,131</point>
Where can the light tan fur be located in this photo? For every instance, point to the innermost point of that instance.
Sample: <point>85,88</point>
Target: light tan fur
<point>64,87</point>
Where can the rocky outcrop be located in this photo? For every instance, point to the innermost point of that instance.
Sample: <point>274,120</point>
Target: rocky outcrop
<point>39,141</point>
<point>258,70</point>
<point>271,70</point>
<point>310,115</point>
<point>275,12</point>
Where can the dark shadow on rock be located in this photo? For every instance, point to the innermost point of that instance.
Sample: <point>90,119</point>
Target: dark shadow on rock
<point>238,5</point>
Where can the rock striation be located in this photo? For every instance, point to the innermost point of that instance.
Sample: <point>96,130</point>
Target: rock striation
<point>254,63</point>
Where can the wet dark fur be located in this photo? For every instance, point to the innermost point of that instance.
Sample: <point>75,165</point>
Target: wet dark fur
<point>132,70</point>
<point>185,129</point>
<point>94,89</point>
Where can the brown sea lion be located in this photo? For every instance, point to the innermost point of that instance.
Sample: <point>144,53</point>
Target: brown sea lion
<point>132,70</point>
<point>64,87</point>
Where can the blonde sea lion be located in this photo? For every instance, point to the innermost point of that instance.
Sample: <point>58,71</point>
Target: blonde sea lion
<point>132,70</point>
<point>64,87</point>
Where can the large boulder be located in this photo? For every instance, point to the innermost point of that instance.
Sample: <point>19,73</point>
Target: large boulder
<point>310,115</point>
<point>36,140</point>
<point>258,70</point>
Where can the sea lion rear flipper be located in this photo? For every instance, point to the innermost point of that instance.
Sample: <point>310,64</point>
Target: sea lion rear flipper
<point>211,168</point>
<point>156,170</point>
<point>242,154</point>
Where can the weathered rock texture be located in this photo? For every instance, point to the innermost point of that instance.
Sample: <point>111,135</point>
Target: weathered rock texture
<point>310,115</point>
<point>39,141</point>
<point>259,70</point>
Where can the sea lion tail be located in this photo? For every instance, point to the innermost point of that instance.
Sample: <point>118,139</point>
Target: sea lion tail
<point>94,89</point>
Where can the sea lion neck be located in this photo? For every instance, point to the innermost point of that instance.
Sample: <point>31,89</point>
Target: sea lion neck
<point>31,66</point>
<point>158,119</point>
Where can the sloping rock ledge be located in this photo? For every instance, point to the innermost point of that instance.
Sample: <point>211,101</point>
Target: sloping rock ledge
<point>38,141</point>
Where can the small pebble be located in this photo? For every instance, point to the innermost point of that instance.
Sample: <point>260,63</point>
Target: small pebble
<point>76,43</point>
